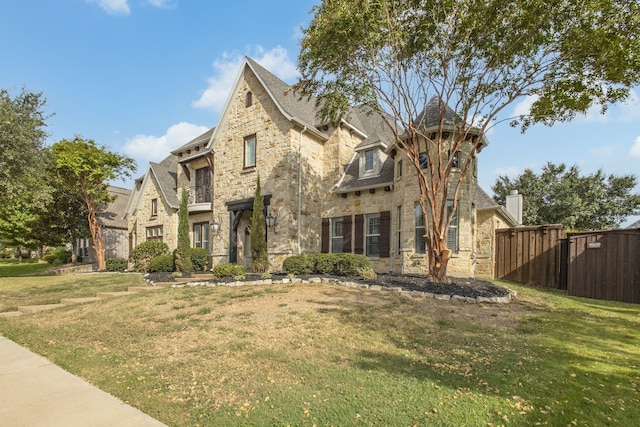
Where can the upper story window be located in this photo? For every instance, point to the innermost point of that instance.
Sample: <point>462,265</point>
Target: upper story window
<point>249,151</point>
<point>248,99</point>
<point>203,185</point>
<point>154,207</point>
<point>399,169</point>
<point>423,158</point>
<point>368,160</point>
<point>455,162</point>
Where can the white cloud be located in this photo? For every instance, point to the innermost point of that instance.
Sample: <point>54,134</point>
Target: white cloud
<point>510,171</point>
<point>523,108</point>
<point>113,7</point>
<point>149,148</point>
<point>227,67</point>
<point>635,149</point>
<point>164,4</point>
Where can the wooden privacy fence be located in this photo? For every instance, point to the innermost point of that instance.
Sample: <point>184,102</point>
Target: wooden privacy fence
<point>530,255</point>
<point>596,264</point>
<point>605,265</point>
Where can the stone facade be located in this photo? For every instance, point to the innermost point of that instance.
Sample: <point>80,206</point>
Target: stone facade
<point>312,175</point>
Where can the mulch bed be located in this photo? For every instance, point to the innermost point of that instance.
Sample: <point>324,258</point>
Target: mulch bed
<point>464,287</point>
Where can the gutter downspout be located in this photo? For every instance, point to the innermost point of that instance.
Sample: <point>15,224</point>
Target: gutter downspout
<point>304,129</point>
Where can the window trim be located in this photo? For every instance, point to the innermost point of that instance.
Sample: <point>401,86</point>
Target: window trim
<point>368,234</point>
<point>154,233</point>
<point>204,232</point>
<point>333,237</point>
<point>255,151</point>
<point>154,207</point>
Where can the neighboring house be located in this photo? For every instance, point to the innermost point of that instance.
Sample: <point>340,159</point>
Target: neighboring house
<point>327,188</point>
<point>490,217</point>
<point>152,209</point>
<point>634,225</point>
<point>114,227</point>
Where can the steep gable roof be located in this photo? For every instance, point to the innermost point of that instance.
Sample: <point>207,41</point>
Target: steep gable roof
<point>114,213</point>
<point>166,175</point>
<point>195,142</point>
<point>486,202</point>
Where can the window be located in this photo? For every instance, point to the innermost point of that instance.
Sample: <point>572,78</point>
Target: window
<point>248,99</point>
<point>399,174</point>
<point>456,160</point>
<point>423,158</point>
<point>372,235</point>
<point>452,238</point>
<point>154,207</point>
<point>420,243</point>
<point>337,235</point>
<point>368,160</point>
<point>203,185</point>
<point>250,151</point>
<point>201,235</point>
<point>154,233</point>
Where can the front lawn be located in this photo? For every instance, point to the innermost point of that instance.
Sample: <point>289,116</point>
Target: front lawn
<point>327,355</point>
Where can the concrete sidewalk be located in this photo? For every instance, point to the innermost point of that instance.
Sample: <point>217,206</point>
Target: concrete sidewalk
<point>35,392</point>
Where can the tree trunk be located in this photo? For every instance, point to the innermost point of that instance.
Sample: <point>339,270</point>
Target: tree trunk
<point>438,261</point>
<point>96,238</point>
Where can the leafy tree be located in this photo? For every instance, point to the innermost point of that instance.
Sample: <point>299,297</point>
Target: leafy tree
<point>475,56</point>
<point>23,155</point>
<point>85,169</point>
<point>560,195</point>
<point>183,252</point>
<point>259,256</point>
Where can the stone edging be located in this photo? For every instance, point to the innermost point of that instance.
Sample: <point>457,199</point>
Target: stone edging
<point>331,281</point>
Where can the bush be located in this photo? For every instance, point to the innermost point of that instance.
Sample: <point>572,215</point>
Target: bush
<point>199,259</point>
<point>229,270</point>
<point>145,252</point>
<point>338,264</point>
<point>116,264</point>
<point>58,256</point>
<point>162,264</point>
<point>299,264</point>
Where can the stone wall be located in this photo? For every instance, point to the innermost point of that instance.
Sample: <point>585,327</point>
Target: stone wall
<point>167,216</point>
<point>489,221</point>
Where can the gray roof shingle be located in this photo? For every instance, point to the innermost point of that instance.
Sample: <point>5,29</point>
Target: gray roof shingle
<point>113,214</point>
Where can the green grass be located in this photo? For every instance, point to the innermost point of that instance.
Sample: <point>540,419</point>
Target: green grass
<point>37,290</point>
<point>14,269</point>
<point>323,355</point>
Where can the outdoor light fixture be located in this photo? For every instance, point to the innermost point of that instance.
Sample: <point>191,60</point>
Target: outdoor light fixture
<point>272,219</point>
<point>215,227</point>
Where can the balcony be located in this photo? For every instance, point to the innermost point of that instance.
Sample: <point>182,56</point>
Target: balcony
<point>200,198</point>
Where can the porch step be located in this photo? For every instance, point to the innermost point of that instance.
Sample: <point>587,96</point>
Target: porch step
<point>104,295</point>
<point>11,314</point>
<point>28,309</point>
<point>67,301</point>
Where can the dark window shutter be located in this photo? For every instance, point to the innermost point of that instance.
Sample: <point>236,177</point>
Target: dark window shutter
<point>346,233</point>
<point>358,246</point>
<point>385,233</point>
<point>325,235</point>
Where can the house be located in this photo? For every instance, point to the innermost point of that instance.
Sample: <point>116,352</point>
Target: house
<point>326,188</point>
<point>114,227</point>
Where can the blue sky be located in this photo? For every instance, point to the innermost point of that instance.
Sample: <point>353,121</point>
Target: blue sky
<point>143,77</point>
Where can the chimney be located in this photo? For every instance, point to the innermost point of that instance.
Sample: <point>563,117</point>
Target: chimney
<point>514,206</point>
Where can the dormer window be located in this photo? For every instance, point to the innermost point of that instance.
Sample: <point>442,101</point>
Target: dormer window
<point>368,160</point>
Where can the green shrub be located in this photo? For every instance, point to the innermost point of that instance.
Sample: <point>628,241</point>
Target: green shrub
<point>58,256</point>
<point>338,264</point>
<point>229,270</point>
<point>145,252</point>
<point>162,263</point>
<point>116,264</point>
<point>199,259</point>
<point>299,264</point>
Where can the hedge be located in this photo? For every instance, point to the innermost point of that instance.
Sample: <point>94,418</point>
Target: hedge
<point>229,270</point>
<point>116,264</point>
<point>145,252</point>
<point>199,259</point>
<point>58,256</point>
<point>336,264</point>
<point>162,263</point>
